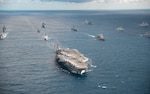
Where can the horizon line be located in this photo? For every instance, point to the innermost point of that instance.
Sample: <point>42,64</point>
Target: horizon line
<point>81,10</point>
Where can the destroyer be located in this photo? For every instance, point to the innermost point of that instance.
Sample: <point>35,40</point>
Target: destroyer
<point>43,25</point>
<point>120,28</point>
<point>45,37</point>
<point>73,28</point>
<point>147,34</point>
<point>88,22</point>
<point>3,34</point>
<point>144,24</point>
<point>72,59</point>
<point>100,37</point>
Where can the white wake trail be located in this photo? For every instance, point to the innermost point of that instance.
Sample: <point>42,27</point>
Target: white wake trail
<point>91,65</point>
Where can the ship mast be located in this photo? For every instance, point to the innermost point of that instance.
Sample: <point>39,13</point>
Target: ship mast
<point>4,29</point>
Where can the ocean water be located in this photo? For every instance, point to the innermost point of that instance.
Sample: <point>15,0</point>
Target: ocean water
<point>118,65</point>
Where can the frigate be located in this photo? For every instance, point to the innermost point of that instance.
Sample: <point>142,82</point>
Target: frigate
<point>100,37</point>
<point>3,34</point>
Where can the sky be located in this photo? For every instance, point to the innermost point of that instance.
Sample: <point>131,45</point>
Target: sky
<point>73,4</point>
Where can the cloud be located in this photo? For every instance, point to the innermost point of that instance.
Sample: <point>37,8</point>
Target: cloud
<point>80,1</point>
<point>73,1</point>
<point>1,0</point>
<point>98,1</point>
<point>73,4</point>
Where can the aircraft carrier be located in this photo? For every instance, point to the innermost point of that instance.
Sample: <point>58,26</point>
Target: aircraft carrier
<point>72,59</point>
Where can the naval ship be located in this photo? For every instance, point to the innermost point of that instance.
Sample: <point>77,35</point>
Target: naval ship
<point>100,36</point>
<point>3,34</point>
<point>88,22</point>
<point>72,59</point>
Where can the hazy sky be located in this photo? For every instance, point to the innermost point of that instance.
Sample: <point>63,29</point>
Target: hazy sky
<point>73,4</point>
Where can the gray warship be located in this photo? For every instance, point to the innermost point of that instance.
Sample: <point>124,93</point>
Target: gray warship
<point>144,24</point>
<point>100,37</point>
<point>72,59</point>
<point>73,28</point>
<point>147,34</point>
<point>3,34</point>
<point>88,22</point>
<point>120,28</point>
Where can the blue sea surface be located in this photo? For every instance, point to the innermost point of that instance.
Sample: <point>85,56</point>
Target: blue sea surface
<point>118,65</point>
